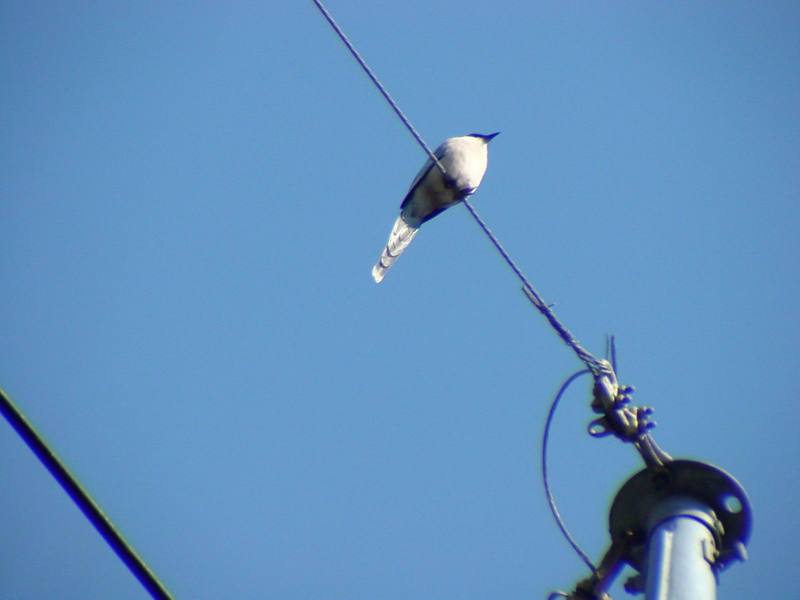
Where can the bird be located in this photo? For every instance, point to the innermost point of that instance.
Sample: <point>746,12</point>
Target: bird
<point>464,159</point>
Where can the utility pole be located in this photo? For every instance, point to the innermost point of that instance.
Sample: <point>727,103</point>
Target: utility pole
<point>678,523</point>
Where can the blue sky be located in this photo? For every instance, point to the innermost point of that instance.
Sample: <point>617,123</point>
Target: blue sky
<point>193,196</point>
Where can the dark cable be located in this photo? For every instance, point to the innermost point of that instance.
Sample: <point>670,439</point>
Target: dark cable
<point>81,497</point>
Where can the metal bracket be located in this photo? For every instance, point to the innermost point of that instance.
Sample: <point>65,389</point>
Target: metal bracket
<point>634,507</point>
<point>705,483</point>
<point>626,422</point>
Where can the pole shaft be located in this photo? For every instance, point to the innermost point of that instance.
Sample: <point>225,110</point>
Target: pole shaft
<point>680,551</point>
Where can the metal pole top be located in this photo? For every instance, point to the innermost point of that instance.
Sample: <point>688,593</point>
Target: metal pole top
<point>637,508</point>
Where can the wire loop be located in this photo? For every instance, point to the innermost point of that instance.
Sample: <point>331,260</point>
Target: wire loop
<point>551,500</point>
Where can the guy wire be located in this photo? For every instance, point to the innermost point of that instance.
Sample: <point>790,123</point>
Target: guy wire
<point>597,367</point>
<point>378,84</point>
<point>594,366</point>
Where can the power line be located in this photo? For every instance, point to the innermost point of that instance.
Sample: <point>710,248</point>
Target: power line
<point>84,501</point>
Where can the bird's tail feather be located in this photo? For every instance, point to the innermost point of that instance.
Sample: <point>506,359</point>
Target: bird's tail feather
<point>399,239</point>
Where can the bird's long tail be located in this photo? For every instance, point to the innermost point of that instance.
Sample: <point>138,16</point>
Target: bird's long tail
<point>399,239</point>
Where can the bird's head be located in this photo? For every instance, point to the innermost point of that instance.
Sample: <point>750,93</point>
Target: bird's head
<point>485,137</point>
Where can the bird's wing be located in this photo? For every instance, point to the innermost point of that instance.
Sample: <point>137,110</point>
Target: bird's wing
<point>399,239</point>
<point>423,172</point>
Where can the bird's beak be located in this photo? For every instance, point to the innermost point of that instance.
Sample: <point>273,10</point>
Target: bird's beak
<point>489,137</point>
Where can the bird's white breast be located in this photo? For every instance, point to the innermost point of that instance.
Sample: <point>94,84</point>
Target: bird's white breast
<point>465,160</point>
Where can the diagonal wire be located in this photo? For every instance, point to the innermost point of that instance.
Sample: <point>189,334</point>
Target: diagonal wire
<point>82,499</point>
<point>378,84</point>
<point>597,367</point>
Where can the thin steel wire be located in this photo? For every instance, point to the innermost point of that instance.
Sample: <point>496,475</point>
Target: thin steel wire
<point>329,17</point>
<point>597,367</point>
<point>611,352</point>
<point>594,366</point>
<point>551,500</point>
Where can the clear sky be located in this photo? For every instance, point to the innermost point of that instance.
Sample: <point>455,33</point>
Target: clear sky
<point>192,195</point>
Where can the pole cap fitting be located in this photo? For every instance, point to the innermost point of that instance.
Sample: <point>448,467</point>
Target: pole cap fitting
<point>729,514</point>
